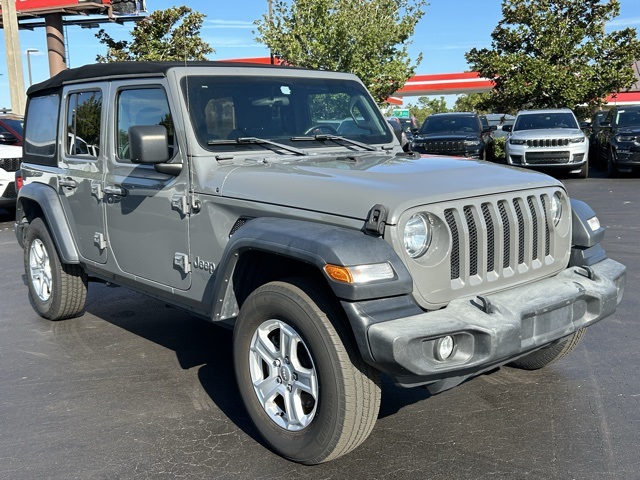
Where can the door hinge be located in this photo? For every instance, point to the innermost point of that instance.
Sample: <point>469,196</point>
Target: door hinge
<point>96,189</point>
<point>180,202</point>
<point>181,260</point>
<point>99,240</point>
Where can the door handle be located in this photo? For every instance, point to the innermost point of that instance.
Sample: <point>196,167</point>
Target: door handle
<point>115,190</point>
<point>67,183</point>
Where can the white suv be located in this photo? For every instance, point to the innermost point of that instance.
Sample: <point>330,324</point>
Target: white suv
<point>549,139</point>
<point>10,158</point>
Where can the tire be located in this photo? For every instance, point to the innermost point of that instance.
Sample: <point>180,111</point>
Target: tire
<point>56,290</point>
<point>612,169</point>
<point>584,171</point>
<point>315,399</point>
<point>547,355</point>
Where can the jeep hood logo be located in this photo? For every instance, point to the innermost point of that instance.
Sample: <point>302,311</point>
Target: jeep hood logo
<point>204,265</point>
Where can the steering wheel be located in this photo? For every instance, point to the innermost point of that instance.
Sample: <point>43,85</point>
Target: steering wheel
<point>321,128</point>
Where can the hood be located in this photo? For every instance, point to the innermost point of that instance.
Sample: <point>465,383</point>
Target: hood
<point>350,186</point>
<point>628,130</point>
<point>548,133</point>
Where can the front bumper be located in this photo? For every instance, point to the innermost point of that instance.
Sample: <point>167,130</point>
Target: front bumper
<point>495,329</point>
<point>568,158</point>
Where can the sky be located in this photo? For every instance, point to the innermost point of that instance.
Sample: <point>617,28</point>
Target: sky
<point>446,32</point>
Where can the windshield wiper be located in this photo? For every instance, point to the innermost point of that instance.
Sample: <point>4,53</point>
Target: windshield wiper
<point>334,138</point>
<point>257,141</point>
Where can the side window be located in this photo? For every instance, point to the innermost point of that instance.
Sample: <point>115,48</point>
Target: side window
<point>84,113</point>
<point>141,106</point>
<point>41,126</point>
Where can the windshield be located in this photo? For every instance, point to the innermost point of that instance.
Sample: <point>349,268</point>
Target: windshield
<point>451,124</point>
<point>626,118</point>
<point>15,125</point>
<point>281,109</point>
<point>538,121</point>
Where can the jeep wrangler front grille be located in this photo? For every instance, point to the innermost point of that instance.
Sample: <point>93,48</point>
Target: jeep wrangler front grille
<point>489,229</point>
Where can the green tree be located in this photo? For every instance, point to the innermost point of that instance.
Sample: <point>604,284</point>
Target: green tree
<point>369,38</point>
<point>171,34</point>
<point>471,102</point>
<point>555,53</point>
<point>426,106</point>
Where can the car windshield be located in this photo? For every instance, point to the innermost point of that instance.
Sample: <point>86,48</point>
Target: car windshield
<point>15,125</point>
<point>539,121</point>
<point>304,111</point>
<point>450,124</point>
<point>626,118</point>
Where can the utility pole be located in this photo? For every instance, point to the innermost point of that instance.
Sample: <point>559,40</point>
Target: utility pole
<point>14,58</point>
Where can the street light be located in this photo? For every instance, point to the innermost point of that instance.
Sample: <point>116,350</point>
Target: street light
<point>29,52</point>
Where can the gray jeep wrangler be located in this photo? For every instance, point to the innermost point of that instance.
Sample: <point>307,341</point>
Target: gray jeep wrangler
<point>278,200</point>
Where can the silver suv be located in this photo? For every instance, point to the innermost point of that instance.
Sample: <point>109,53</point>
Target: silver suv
<point>278,201</point>
<point>549,139</point>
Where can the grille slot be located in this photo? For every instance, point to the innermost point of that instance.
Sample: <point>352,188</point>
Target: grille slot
<point>488,232</point>
<point>455,244</point>
<point>10,164</point>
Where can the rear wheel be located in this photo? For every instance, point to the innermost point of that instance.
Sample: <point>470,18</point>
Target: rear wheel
<point>56,290</point>
<point>547,355</point>
<point>301,378</point>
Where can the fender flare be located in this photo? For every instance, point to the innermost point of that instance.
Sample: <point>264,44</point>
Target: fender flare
<point>49,202</point>
<point>315,244</point>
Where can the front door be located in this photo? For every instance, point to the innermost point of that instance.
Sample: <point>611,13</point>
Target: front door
<point>148,228</point>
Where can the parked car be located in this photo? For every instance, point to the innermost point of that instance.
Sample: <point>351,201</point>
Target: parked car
<point>399,132</point>
<point>278,201</point>
<point>10,157</point>
<point>499,120</point>
<point>618,140</point>
<point>460,134</point>
<point>593,130</point>
<point>11,129</point>
<point>549,139</point>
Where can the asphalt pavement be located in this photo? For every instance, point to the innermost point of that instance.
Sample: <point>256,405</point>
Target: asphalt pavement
<point>135,389</point>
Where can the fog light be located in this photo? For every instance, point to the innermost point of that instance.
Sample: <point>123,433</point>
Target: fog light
<point>444,347</point>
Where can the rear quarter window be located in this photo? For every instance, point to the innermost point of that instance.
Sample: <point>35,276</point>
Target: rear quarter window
<point>41,128</point>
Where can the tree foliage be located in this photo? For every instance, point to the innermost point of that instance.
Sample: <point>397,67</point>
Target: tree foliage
<point>426,106</point>
<point>369,38</point>
<point>171,34</point>
<point>555,53</point>
<point>471,102</point>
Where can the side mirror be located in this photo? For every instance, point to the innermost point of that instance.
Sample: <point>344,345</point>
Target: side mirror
<point>507,128</point>
<point>148,144</point>
<point>7,138</point>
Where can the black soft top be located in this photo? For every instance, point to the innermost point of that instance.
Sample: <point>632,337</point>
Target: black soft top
<point>99,71</point>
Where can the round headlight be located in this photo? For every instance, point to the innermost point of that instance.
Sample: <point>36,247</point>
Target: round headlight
<point>556,207</point>
<point>417,235</point>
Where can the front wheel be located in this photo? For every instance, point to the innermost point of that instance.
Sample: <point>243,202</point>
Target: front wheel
<point>547,355</point>
<point>56,290</point>
<point>301,378</point>
<point>584,171</point>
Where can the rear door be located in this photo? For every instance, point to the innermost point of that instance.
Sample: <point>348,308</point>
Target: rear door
<point>82,161</point>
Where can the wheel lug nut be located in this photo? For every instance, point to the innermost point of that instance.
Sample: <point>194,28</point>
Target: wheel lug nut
<point>294,376</point>
<point>287,361</point>
<point>278,380</point>
<point>290,388</point>
<point>276,363</point>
